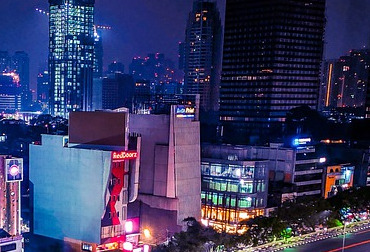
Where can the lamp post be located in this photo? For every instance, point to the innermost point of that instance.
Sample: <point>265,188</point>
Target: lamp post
<point>344,236</point>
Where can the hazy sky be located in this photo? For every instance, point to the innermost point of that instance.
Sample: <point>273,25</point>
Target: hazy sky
<point>144,26</point>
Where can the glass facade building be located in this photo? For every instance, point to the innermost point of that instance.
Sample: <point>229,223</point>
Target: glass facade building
<point>233,188</point>
<point>271,64</point>
<point>71,55</point>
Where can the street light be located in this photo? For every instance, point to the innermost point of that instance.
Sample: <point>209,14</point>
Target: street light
<point>344,236</point>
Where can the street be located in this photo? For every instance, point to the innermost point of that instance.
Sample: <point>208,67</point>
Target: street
<point>354,242</point>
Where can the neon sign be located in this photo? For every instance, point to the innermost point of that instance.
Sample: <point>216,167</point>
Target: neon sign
<point>124,155</point>
<point>185,112</point>
<point>14,169</point>
<point>301,141</point>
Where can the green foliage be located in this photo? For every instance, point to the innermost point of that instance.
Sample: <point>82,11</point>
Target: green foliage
<point>332,222</point>
<point>292,218</point>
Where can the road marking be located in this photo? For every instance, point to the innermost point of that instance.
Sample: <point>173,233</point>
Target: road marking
<point>350,246</point>
<point>362,232</point>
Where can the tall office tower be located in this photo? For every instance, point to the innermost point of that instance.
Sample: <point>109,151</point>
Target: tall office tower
<point>5,61</point>
<point>21,65</point>
<point>98,53</point>
<point>43,88</point>
<point>71,55</point>
<point>271,64</point>
<point>203,53</point>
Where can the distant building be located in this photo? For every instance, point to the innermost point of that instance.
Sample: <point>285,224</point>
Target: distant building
<point>143,98</point>
<point>181,55</point>
<point>345,81</point>
<point>117,91</point>
<point>43,88</point>
<point>234,186</point>
<point>155,68</point>
<point>97,94</point>
<point>71,55</point>
<point>21,65</point>
<point>272,54</point>
<point>115,67</point>
<point>202,54</point>
<point>5,62</point>
<point>10,92</point>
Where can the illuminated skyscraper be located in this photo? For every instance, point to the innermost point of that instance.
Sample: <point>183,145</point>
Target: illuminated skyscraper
<point>202,51</point>
<point>271,64</point>
<point>345,81</point>
<point>71,55</point>
<point>98,53</point>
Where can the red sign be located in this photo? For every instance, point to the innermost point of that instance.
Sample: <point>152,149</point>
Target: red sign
<point>124,155</point>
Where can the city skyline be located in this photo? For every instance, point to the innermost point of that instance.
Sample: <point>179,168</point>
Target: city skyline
<point>135,33</point>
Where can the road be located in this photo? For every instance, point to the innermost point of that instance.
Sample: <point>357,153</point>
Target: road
<point>354,242</point>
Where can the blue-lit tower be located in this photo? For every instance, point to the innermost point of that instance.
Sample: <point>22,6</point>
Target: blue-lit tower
<point>71,55</point>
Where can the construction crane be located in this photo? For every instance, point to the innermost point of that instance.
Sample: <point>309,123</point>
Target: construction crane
<point>98,27</point>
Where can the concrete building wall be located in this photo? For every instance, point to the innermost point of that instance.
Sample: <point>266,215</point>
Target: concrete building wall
<point>187,167</point>
<point>154,131</point>
<point>170,164</point>
<point>69,189</point>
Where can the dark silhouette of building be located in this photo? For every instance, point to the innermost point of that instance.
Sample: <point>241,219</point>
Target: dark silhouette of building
<point>115,67</point>
<point>143,98</point>
<point>21,65</point>
<point>71,55</point>
<point>155,68</point>
<point>117,91</point>
<point>202,49</point>
<point>43,88</point>
<point>5,61</point>
<point>271,64</point>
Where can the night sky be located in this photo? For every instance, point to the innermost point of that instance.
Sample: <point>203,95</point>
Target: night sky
<point>144,26</point>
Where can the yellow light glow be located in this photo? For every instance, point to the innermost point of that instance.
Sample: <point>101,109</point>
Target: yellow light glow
<point>147,233</point>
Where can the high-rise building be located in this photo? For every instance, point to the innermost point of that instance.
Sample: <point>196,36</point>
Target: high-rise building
<point>117,91</point>
<point>10,92</point>
<point>271,64</point>
<point>202,51</point>
<point>71,55</point>
<point>43,89</point>
<point>345,81</point>
<point>98,53</point>
<point>21,65</point>
<point>155,67</point>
